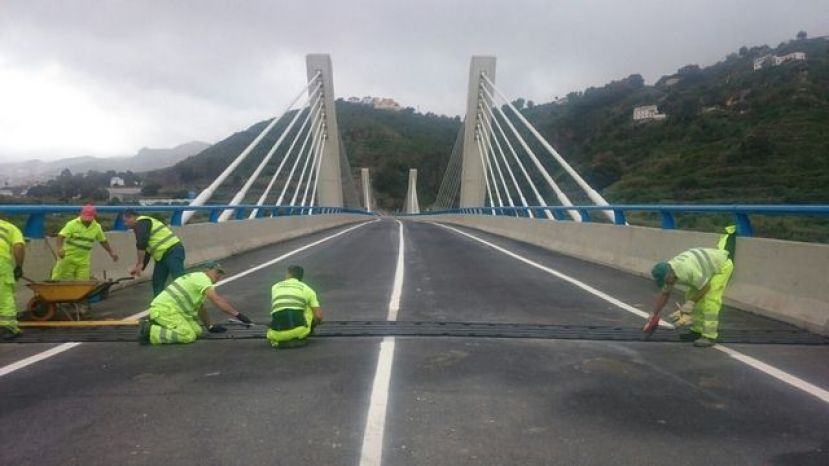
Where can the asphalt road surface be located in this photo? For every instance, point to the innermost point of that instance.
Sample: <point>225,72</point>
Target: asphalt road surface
<point>419,400</point>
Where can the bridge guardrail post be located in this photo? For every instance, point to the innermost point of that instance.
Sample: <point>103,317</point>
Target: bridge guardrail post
<point>619,217</point>
<point>743,224</point>
<point>175,220</point>
<point>667,220</point>
<point>35,225</point>
<point>239,213</point>
<point>585,215</point>
<point>119,222</point>
<point>214,215</point>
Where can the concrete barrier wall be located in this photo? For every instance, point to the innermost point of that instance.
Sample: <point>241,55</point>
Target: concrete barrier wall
<point>783,280</point>
<point>202,242</point>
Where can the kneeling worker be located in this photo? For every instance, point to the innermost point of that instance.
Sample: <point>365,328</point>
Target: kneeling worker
<point>705,271</point>
<point>175,313</point>
<point>295,311</point>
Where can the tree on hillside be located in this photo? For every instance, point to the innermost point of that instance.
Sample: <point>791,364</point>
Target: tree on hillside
<point>801,35</point>
<point>519,103</point>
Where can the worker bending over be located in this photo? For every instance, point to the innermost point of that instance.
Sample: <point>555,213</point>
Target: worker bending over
<point>12,253</point>
<point>154,239</point>
<point>75,242</point>
<point>176,312</point>
<point>705,271</point>
<point>295,311</point>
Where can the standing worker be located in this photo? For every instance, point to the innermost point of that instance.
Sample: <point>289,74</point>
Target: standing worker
<point>176,312</point>
<point>75,242</point>
<point>295,311</point>
<point>705,271</point>
<point>12,253</point>
<point>154,239</point>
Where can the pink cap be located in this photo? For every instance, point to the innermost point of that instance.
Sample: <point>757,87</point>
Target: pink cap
<point>88,212</point>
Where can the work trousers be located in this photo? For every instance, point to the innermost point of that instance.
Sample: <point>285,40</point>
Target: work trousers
<point>8,307</point>
<point>72,268</point>
<point>706,314</point>
<point>275,337</point>
<point>170,266</point>
<point>171,326</point>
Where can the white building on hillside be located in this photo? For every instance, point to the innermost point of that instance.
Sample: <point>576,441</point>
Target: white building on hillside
<point>773,60</point>
<point>116,181</point>
<point>647,112</point>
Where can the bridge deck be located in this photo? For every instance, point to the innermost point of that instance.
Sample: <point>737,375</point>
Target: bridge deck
<point>452,400</point>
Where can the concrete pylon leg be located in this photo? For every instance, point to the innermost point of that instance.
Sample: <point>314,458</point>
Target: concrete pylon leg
<point>330,189</point>
<point>365,181</point>
<point>412,206</point>
<point>473,188</point>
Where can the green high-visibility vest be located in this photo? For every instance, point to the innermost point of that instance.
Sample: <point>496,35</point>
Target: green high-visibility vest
<point>9,236</point>
<point>292,294</point>
<point>161,240</point>
<point>186,293</point>
<point>696,266</point>
<point>79,238</point>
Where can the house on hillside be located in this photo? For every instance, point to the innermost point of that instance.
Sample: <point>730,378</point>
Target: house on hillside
<point>647,112</point>
<point>385,104</point>
<point>116,181</point>
<point>767,61</point>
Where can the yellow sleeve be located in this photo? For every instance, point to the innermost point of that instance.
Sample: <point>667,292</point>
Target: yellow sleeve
<point>311,298</point>
<point>66,231</point>
<point>17,236</point>
<point>99,234</point>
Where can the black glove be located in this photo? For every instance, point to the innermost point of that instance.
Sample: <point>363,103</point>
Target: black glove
<point>217,328</point>
<point>244,318</point>
<point>18,272</point>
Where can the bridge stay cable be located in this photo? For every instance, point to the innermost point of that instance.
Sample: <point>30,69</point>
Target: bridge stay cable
<point>487,131</point>
<point>565,201</point>
<point>205,195</point>
<point>591,193</point>
<point>312,155</point>
<point>302,130</point>
<point>505,162</point>
<point>539,198</point>
<point>450,184</point>
<point>300,154</point>
<point>488,165</point>
<point>314,174</point>
<point>486,176</point>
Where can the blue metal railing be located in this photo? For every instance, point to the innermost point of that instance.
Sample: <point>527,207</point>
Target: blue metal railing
<point>741,212</point>
<point>36,220</point>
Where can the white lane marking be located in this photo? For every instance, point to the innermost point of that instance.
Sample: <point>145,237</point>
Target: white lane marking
<point>371,452</point>
<point>67,346</point>
<point>397,288</point>
<point>37,357</point>
<point>584,286</point>
<point>778,374</point>
<point>273,261</point>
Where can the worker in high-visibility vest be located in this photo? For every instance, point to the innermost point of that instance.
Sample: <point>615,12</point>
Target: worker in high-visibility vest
<point>12,254</point>
<point>706,272</point>
<point>75,242</point>
<point>295,311</point>
<point>177,313</point>
<point>154,239</point>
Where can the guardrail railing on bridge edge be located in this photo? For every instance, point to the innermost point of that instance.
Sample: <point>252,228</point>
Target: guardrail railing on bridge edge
<point>36,220</point>
<point>666,212</point>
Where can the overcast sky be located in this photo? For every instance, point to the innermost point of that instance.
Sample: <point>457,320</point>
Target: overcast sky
<point>107,77</point>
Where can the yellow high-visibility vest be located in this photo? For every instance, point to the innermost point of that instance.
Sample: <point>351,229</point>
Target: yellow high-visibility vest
<point>161,239</point>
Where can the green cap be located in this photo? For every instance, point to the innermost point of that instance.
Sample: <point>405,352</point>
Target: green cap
<point>659,272</point>
<point>213,265</point>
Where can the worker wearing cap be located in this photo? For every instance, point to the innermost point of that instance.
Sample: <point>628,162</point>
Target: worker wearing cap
<point>12,253</point>
<point>154,239</point>
<point>705,271</point>
<point>176,313</point>
<point>75,242</point>
<point>295,311</point>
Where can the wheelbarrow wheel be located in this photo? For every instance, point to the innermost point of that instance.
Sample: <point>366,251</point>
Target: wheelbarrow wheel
<point>40,309</point>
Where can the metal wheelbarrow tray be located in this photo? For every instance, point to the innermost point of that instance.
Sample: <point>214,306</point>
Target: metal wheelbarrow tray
<point>50,293</point>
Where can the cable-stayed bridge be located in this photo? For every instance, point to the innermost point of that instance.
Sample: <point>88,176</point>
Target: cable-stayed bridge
<point>501,326</point>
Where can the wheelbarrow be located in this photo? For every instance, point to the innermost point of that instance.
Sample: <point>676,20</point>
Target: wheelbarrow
<point>49,294</point>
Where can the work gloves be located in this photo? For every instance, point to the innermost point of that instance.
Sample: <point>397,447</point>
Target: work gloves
<point>217,328</point>
<point>682,316</point>
<point>244,318</point>
<point>18,273</point>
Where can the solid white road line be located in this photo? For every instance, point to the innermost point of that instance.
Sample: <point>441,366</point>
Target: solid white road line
<point>273,261</point>
<point>35,358</point>
<point>567,278</point>
<point>371,453</point>
<point>67,346</point>
<point>778,374</point>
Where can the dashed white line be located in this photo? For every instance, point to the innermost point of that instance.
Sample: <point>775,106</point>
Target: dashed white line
<point>67,346</point>
<point>778,374</point>
<point>567,278</point>
<point>371,453</point>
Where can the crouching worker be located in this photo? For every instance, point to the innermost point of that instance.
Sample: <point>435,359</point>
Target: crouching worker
<point>177,313</point>
<point>295,311</point>
<point>705,271</point>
